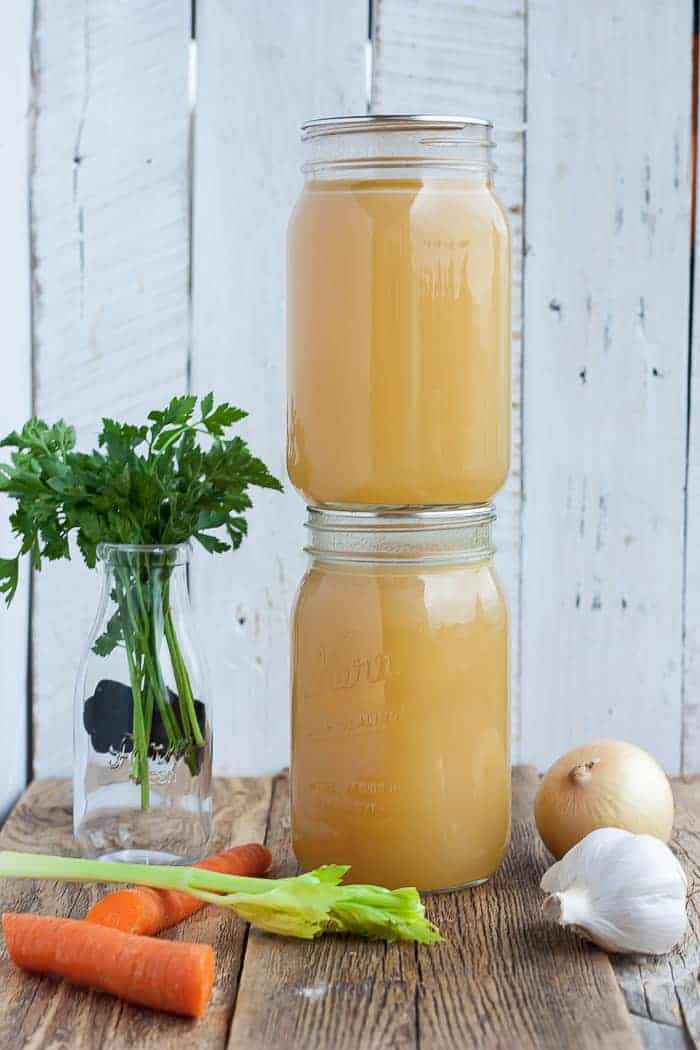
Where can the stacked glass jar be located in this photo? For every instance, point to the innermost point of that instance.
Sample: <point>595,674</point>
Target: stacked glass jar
<point>398,296</point>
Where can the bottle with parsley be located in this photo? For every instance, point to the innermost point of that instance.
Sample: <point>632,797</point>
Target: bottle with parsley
<point>143,737</point>
<point>134,507</point>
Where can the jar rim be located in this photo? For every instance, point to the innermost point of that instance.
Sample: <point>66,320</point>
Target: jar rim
<point>365,146</point>
<point>335,517</point>
<point>405,535</point>
<point>391,122</point>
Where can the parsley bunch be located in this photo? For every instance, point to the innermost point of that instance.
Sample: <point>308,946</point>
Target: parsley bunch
<point>181,476</point>
<point>153,484</point>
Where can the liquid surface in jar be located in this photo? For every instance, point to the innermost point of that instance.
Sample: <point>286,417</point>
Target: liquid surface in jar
<point>398,297</point>
<point>400,723</point>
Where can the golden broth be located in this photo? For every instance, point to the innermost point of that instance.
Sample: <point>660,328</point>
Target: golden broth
<point>398,298</point>
<point>400,723</point>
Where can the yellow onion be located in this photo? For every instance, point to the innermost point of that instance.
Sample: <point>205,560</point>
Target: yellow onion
<point>610,784</point>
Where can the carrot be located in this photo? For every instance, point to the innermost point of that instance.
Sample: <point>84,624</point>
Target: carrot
<point>165,975</point>
<point>148,911</point>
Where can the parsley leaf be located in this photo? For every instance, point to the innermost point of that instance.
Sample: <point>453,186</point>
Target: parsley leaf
<point>182,475</point>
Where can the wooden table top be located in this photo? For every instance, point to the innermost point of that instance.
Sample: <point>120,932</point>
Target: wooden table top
<point>502,979</point>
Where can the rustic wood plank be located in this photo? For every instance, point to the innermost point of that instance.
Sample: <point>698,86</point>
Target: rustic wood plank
<point>110,231</point>
<point>263,69</point>
<point>42,1013</point>
<point>339,993</point>
<point>663,994</point>
<point>502,979</point>
<point>15,388</point>
<point>656,1036</point>
<point>447,56</point>
<point>606,311</point>
<point>502,971</point>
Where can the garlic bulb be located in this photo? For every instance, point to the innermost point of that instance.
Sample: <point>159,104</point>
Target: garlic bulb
<point>624,892</point>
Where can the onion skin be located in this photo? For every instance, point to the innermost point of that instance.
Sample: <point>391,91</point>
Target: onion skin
<point>609,784</point>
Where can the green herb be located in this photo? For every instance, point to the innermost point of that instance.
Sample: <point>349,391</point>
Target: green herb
<point>158,484</point>
<point>304,906</point>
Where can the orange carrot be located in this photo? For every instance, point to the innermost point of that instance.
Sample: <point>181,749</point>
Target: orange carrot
<point>165,975</point>
<point>147,911</point>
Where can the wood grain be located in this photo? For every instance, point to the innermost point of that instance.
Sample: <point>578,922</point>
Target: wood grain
<point>15,387</point>
<point>41,1013</point>
<point>501,981</point>
<point>337,992</point>
<point>447,56</point>
<point>110,237</point>
<point>502,971</point>
<point>499,972</point>
<point>605,383</point>
<point>263,70</point>
<point>663,994</point>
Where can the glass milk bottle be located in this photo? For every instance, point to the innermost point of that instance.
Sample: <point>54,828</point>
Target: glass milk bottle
<point>142,729</point>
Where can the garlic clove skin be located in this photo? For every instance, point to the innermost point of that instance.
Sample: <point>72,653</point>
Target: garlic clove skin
<point>624,892</point>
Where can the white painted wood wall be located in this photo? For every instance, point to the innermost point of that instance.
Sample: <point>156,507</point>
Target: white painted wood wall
<point>154,222</point>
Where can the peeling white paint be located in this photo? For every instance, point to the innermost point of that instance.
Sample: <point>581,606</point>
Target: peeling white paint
<point>446,56</point>
<point>109,197</point>
<point>314,992</point>
<point>599,457</point>
<point>15,388</point>
<point>608,208</point>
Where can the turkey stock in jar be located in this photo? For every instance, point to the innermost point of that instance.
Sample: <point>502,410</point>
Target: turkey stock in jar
<point>400,720</point>
<point>398,315</point>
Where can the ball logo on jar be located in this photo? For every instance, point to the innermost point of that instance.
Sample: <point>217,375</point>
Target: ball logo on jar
<point>338,671</point>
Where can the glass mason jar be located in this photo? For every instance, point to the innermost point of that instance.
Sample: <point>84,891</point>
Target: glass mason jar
<point>400,720</point>
<point>398,322</point>
<point>142,730</point>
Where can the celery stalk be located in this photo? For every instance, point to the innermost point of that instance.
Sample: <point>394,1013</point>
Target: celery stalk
<point>302,906</point>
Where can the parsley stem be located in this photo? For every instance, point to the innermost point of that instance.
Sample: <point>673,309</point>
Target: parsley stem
<point>182,678</point>
<point>174,731</point>
<point>140,741</point>
<point>146,611</point>
<point>145,628</point>
<point>154,674</point>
